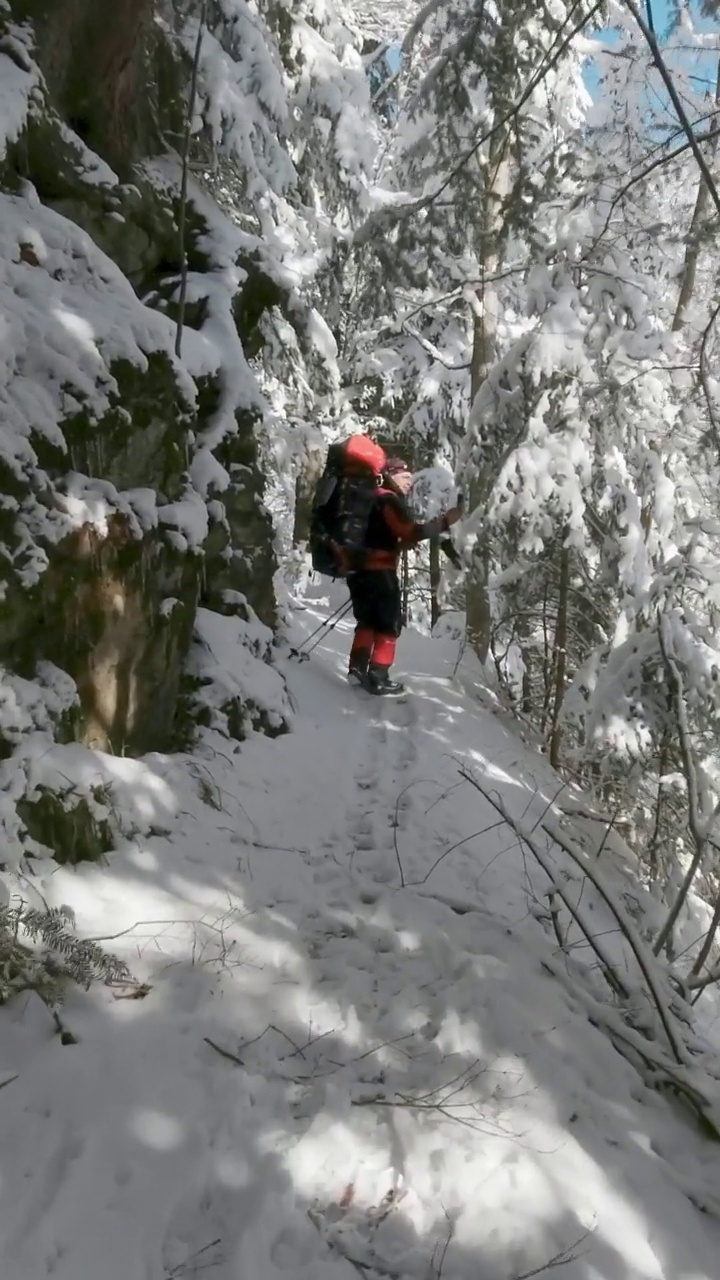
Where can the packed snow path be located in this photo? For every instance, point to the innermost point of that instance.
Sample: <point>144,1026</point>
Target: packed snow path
<point>354,1057</point>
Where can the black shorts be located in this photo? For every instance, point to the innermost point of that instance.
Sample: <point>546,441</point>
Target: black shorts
<point>376,600</point>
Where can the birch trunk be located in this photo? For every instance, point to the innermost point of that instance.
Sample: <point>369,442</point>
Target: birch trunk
<point>693,243</point>
<point>485,349</point>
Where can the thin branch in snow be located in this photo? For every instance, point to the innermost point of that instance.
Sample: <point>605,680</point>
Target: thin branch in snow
<point>555,917</point>
<point>191,1263</point>
<point>308,1044</point>
<point>561,1259</point>
<point>409,1104</point>
<point>548,807</point>
<point>644,960</point>
<point>385,1044</point>
<point>636,945</point>
<point>438,1270</point>
<point>699,984</point>
<point>458,844</point>
<point>396,824</point>
<point>447,792</point>
<point>708,941</point>
<point>224,1053</point>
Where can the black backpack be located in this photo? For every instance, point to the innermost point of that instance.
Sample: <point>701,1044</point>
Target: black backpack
<point>342,505</point>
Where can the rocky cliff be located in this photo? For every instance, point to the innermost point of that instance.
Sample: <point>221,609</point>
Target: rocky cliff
<point>131,492</point>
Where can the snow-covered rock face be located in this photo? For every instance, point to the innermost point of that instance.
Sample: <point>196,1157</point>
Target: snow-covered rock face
<point>129,477</point>
<point>96,419</point>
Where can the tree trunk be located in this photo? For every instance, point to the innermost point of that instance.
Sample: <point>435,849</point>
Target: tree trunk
<point>560,657</point>
<point>524,637</point>
<point>693,242</point>
<point>547,667</point>
<point>434,581</point>
<point>478,613</point>
<point>706,947</point>
<point>485,321</point>
<point>92,54</point>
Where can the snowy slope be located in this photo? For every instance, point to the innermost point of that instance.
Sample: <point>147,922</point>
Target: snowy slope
<point>356,1055</point>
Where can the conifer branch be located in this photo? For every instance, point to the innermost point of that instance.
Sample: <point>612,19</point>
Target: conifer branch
<point>39,951</point>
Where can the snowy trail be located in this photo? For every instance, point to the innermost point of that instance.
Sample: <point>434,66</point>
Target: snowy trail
<point>410,1092</point>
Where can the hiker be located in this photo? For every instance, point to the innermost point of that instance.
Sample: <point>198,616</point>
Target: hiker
<point>374,585</point>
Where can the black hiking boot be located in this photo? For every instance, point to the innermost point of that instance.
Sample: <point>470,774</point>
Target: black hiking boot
<point>378,681</point>
<point>358,669</point>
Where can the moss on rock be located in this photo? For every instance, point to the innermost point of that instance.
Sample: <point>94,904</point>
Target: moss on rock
<point>113,602</point>
<point>240,553</point>
<point>68,824</point>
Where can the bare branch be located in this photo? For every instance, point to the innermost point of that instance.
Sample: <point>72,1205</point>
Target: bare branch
<point>561,1259</point>
<point>700,826</point>
<point>578,856</point>
<point>680,111</point>
<point>224,1053</point>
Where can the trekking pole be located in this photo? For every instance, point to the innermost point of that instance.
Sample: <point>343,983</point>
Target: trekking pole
<point>405,596</point>
<point>330,626</point>
<point>302,653</point>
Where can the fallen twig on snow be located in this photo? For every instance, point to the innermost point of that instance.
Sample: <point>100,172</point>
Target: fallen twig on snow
<point>579,857</point>
<point>438,1270</point>
<point>413,884</point>
<point>644,959</point>
<point>609,971</point>
<point>440,1100</point>
<point>611,975</point>
<point>224,1053</point>
<point>191,1263</point>
<point>555,917</point>
<point>656,1070</point>
<point>561,1259</point>
<point>661,1071</point>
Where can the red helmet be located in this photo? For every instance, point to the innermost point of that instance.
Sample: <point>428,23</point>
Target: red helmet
<point>362,450</point>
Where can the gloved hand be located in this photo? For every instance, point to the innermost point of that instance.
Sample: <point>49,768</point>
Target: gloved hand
<point>449,550</point>
<point>452,516</point>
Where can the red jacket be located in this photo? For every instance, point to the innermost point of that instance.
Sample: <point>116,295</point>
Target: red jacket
<point>391,530</point>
